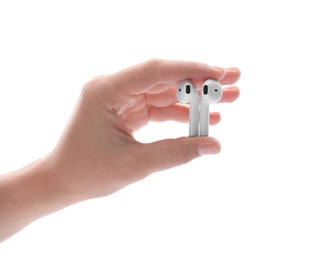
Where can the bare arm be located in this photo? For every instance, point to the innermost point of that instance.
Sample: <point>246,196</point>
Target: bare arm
<point>28,194</point>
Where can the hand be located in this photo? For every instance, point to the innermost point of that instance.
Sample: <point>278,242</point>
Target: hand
<point>97,153</point>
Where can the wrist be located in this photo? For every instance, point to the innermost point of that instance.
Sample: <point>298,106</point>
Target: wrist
<point>28,194</point>
<point>47,191</point>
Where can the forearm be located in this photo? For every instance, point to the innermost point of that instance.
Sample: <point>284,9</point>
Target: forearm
<point>28,194</point>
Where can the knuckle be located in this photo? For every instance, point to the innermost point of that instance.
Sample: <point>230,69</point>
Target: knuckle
<point>153,63</point>
<point>90,85</point>
<point>87,89</point>
<point>94,88</point>
<point>152,69</point>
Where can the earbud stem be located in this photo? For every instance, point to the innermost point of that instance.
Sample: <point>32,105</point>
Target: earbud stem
<point>204,118</point>
<point>194,115</point>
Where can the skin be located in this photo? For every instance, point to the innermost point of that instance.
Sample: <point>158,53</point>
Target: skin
<point>97,154</point>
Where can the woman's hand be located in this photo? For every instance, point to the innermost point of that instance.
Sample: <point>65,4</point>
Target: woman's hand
<point>98,155</point>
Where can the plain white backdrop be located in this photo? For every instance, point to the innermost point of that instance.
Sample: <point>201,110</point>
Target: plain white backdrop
<point>256,200</point>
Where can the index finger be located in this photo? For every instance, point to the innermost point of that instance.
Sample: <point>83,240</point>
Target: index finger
<point>142,77</point>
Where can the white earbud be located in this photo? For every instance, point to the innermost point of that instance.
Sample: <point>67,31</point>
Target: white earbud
<point>211,93</point>
<point>187,93</point>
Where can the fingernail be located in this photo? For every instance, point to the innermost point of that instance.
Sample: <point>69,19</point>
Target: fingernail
<point>208,149</point>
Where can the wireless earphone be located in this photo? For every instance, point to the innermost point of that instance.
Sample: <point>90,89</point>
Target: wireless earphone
<point>187,93</point>
<point>211,93</point>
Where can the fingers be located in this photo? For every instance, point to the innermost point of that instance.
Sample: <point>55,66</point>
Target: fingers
<point>178,113</point>
<point>169,97</point>
<point>163,99</point>
<point>169,153</point>
<point>230,94</point>
<point>164,94</point>
<point>143,77</point>
<point>231,76</point>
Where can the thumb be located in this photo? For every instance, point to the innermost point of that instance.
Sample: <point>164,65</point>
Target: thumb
<point>170,153</point>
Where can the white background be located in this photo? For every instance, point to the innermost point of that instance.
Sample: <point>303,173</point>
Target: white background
<point>256,200</point>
